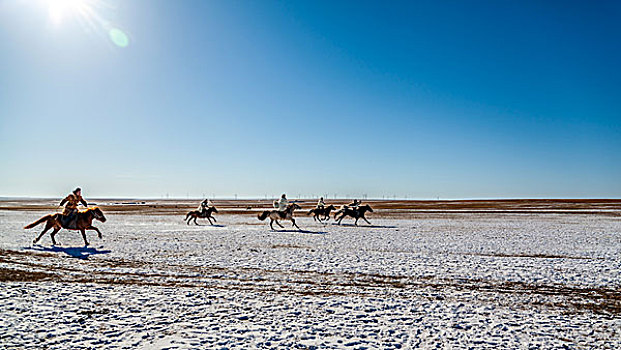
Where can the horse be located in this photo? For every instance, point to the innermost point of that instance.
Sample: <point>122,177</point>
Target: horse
<point>276,215</point>
<point>83,222</point>
<point>355,213</point>
<point>323,211</point>
<point>201,214</point>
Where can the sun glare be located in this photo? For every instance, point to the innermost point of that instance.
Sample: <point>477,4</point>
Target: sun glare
<point>61,9</point>
<point>90,14</point>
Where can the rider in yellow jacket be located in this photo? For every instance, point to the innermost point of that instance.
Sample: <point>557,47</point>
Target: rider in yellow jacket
<point>71,207</point>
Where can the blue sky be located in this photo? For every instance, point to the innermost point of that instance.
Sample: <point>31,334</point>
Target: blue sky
<point>472,99</point>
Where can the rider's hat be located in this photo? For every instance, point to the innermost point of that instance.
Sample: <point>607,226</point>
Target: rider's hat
<point>77,189</point>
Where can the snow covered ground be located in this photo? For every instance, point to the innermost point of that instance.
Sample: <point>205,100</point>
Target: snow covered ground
<point>436,280</point>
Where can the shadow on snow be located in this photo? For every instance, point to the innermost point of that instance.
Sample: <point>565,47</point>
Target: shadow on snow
<point>362,225</point>
<point>302,231</point>
<point>75,252</point>
<point>207,225</point>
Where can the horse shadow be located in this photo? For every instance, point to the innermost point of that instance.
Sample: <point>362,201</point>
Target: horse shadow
<point>74,252</point>
<point>364,226</point>
<point>214,225</point>
<point>302,231</point>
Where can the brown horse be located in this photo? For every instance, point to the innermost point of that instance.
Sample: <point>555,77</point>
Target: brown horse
<point>83,222</point>
<point>203,214</point>
<point>324,212</point>
<point>276,215</point>
<point>355,213</point>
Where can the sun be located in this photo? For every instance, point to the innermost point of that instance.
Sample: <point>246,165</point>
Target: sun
<point>88,13</point>
<point>59,10</point>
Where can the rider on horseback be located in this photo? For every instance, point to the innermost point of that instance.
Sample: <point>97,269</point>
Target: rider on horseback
<point>321,204</point>
<point>71,209</point>
<point>202,208</point>
<point>282,203</point>
<point>353,205</point>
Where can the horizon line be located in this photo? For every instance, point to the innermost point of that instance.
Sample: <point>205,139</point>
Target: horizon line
<point>314,198</point>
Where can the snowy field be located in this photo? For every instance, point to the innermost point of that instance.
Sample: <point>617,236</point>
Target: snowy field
<point>433,280</point>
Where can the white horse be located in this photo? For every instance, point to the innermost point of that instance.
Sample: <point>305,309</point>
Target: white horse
<point>276,215</point>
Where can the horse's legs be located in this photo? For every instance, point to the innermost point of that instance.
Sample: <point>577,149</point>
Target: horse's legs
<point>188,220</point>
<point>294,224</point>
<point>271,224</point>
<point>83,232</point>
<point>54,234</point>
<point>47,227</point>
<point>210,223</point>
<point>195,223</point>
<point>356,222</point>
<point>365,219</point>
<point>214,219</point>
<point>338,221</point>
<point>95,229</point>
<point>278,223</point>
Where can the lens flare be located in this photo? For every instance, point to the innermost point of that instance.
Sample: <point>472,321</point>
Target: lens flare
<point>118,37</point>
<point>93,15</point>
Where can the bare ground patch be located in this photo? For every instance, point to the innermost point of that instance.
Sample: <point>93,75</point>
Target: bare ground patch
<point>19,266</point>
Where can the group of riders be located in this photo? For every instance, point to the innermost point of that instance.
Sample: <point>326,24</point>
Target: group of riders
<point>74,199</point>
<point>73,219</point>
<point>283,202</point>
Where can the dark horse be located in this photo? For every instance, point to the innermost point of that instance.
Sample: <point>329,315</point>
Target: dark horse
<point>355,213</point>
<point>324,212</point>
<point>83,222</point>
<point>204,214</point>
<point>276,215</point>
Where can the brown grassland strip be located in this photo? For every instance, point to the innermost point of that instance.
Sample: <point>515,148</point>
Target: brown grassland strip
<point>525,255</point>
<point>384,208</point>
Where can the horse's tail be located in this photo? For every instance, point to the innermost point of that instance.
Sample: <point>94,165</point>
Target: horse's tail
<point>42,220</point>
<point>264,215</point>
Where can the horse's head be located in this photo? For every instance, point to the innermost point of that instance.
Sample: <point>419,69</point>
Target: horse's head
<point>98,214</point>
<point>294,206</point>
<point>214,209</point>
<point>366,207</point>
<point>331,207</point>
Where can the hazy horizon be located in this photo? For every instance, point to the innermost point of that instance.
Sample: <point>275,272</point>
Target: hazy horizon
<point>311,198</point>
<point>424,100</point>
